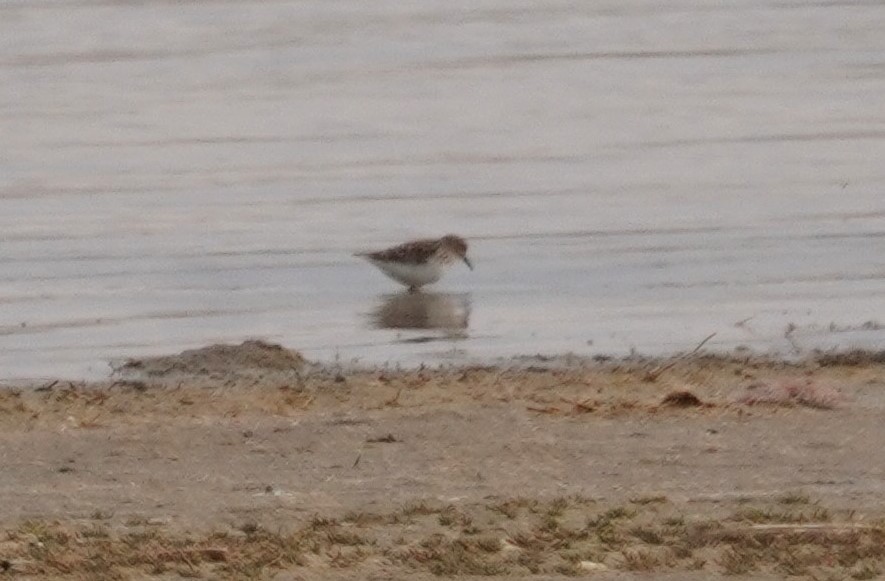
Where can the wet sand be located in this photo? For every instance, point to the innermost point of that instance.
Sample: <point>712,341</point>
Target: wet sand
<point>251,462</point>
<point>630,174</point>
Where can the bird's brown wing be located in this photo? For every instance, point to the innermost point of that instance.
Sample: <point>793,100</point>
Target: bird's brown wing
<point>415,252</point>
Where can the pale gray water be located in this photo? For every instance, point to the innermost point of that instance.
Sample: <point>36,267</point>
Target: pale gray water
<point>631,173</point>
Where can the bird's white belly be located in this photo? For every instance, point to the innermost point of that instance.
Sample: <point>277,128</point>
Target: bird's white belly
<point>411,274</point>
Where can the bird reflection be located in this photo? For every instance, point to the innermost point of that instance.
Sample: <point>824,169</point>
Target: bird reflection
<point>422,310</point>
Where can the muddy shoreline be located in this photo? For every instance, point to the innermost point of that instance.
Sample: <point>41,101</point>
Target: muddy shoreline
<point>223,463</point>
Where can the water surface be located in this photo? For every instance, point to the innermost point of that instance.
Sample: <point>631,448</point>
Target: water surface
<point>631,174</point>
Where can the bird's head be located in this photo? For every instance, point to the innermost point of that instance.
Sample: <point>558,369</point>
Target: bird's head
<point>457,246</point>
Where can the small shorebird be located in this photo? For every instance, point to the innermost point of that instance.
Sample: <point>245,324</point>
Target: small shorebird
<point>419,262</point>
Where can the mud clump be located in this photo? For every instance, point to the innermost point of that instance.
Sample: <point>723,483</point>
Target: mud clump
<point>249,357</point>
<point>682,399</point>
<point>789,393</point>
<point>853,358</point>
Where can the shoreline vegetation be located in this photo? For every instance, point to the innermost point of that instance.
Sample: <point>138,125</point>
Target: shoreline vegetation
<point>248,461</point>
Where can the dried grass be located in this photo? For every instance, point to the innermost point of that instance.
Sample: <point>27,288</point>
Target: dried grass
<point>773,539</point>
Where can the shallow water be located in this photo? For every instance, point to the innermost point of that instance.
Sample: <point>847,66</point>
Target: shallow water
<point>631,175</point>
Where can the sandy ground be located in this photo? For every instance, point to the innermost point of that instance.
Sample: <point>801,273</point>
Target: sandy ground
<point>252,463</point>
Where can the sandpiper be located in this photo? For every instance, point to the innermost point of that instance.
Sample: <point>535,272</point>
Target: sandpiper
<point>419,262</point>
